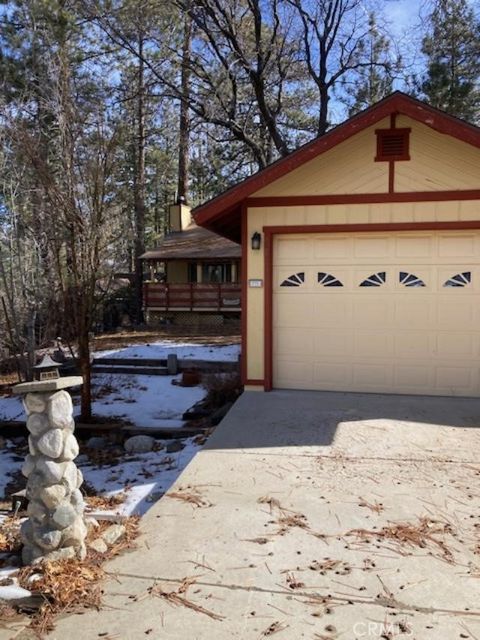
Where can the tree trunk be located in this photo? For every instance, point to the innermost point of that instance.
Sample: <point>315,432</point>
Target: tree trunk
<point>86,373</point>
<point>139,184</point>
<point>184,130</point>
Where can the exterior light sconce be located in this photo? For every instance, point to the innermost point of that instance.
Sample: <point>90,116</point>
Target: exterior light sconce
<point>256,241</point>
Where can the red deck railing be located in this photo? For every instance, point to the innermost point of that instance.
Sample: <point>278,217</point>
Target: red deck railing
<point>193,296</point>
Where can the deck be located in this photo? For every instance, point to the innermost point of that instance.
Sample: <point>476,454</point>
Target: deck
<point>225,297</point>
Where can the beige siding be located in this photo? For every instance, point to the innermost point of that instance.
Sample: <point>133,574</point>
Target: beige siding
<point>347,168</point>
<point>177,272</point>
<point>438,161</point>
<point>332,214</point>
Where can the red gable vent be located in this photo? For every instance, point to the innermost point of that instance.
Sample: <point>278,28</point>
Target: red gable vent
<point>392,144</point>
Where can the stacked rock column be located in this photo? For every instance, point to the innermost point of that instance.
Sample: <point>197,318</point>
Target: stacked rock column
<point>55,528</point>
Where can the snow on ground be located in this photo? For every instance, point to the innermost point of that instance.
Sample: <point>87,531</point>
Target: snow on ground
<point>143,477</point>
<point>145,401</point>
<point>162,348</point>
<point>11,408</point>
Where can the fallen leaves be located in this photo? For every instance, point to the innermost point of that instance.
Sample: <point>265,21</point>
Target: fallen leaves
<point>179,598</point>
<point>420,535</point>
<point>190,495</point>
<point>274,628</point>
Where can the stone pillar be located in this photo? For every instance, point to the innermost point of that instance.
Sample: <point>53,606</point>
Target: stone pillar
<point>55,528</point>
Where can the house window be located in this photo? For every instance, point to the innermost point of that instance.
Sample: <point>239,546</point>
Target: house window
<point>192,272</point>
<point>392,144</point>
<point>217,272</point>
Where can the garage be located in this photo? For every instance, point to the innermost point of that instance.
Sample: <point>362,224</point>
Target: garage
<point>361,257</point>
<point>394,313</point>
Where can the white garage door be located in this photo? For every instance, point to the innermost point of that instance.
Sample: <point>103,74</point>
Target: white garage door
<point>379,312</point>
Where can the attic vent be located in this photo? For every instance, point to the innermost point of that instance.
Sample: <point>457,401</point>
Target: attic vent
<point>392,144</point>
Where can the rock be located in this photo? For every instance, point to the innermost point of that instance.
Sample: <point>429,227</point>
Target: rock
<point>32,554</point>
<point>96,442</point>
<point>53,496</point>
<point>77,501</point>
<point>37,512</point>
<point>79,478</point>
<point>28,465</point>
<point>64,516</point>
<point>60,410</point>
<point>139,444</point>
<point>52,471</point>
<point>70,449</point>
<point>91,522</point>
<point>74,535</point>
<point>31,446</point>
<point>51,443</point>
<point>48,540</point>
<point>34,403</point>
<point>98,545</point>
<point>174,446</point>
<point>61,554</point>
<point>70,476</point>
<point>113,533</point>
<point>37,424</point>
<point>26,532</point>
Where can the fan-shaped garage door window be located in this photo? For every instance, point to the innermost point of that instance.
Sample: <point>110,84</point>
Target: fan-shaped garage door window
<point>375,280</point>
<point>410,280</point>
<point>459,280</point>
<point>327,280</point>
<point>295,280</point>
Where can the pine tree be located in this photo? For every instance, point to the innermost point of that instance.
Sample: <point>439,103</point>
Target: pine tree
<point>374,78</point>
<point>452,47</point>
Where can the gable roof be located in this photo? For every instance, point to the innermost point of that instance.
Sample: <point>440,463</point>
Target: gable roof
<point>194,243</point>
<point>222,214</point>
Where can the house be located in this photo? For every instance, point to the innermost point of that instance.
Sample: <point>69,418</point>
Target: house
<point>361,257</point>
<point>192,276</point>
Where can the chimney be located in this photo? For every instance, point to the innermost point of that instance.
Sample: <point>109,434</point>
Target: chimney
<point>179,215</point>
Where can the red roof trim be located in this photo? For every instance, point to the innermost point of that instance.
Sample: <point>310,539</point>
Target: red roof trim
<point>397,102</point>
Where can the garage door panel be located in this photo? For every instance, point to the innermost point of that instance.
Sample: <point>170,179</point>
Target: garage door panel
<point>294,374</point>
<point>374,246</point>
<point>458,245</point>
<point>413,345</point>
<point>371,376</point>
<point>456,314</point>
<point>386,335</point>
<point>333,342</point>
<point>372,344</point>
<point>331,246</point>
<point>293,250</point>
<point>413,246</point>
<point>294,313</point>
<point>370,310</point>
<point>414,379</point>
<point>290,340</point>
<point>458,345</point>
<point>454,379</point>
<point>416,312</point>
<point>332,375</point>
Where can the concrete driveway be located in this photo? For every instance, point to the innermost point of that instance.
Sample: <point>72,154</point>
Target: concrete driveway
<point>317,515</point>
